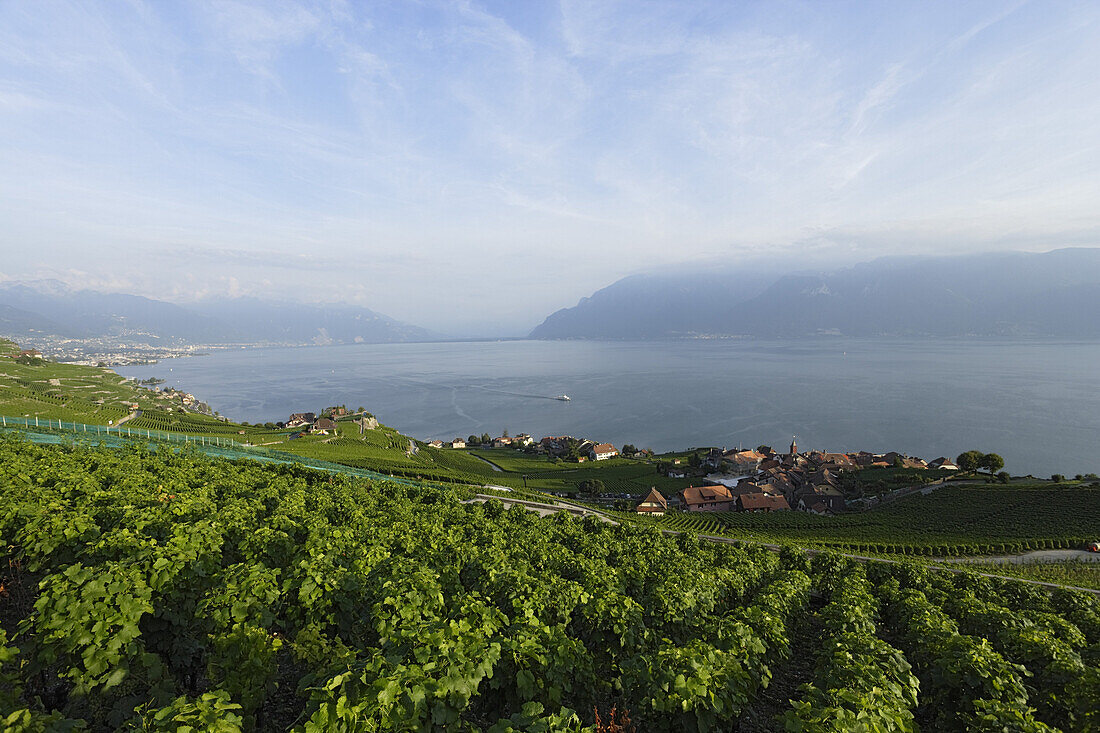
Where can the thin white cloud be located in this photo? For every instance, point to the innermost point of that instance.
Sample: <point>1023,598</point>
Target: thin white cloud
<point>434,154</point>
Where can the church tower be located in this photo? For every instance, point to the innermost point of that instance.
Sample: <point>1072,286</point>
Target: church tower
<point>794,447</point>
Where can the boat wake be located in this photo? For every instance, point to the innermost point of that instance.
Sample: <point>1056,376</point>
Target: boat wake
<point>563,398</point>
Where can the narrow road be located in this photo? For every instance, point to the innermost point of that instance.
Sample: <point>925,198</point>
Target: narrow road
<point>128,418</point>
<point>492,465</point>
<point>543,510</point>
<point>1030,558</point>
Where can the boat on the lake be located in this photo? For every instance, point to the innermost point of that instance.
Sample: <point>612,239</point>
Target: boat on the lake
<point>563,397</point>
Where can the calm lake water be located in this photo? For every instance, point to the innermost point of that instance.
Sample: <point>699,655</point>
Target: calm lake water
<point>1037,404</point>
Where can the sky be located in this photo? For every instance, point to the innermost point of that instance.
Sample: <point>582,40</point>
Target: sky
<point>473,166</point>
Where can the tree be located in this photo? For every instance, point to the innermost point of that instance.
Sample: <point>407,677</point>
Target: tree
<point>590,486</point>
<point>505,433</point>
<point>992,462</point>
<point>765,449</point>
<point>695,461</point>
<point>1057,478</point>
<point>486,439</point>
<point>473,440</point>
<point>629,449</point>
<point>969,461</point>
<point>1003,477</point>
<point>572,449</point>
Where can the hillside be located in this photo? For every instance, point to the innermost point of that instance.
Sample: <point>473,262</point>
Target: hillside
<point>36,310</point>
<point>156,590</point>
<point>1053,294</point>
<point>51,391</point>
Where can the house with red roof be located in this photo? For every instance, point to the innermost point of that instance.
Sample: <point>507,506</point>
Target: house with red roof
<point>654,503</point>
<point>715,498</point>
<point>602,452</point>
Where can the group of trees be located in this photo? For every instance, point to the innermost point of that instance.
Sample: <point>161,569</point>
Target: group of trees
<point>972,460</point>
<point>591,486</point>
<point>483,439</point>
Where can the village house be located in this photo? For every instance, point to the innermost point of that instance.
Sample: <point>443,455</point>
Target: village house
<point>863,459</point>
<point>945,464</point>
<point>716,498</point>
<point>822,477</point>
<point>762,503</point>
<point>323,426</point>
<point>714,458</point>
<point>779,481</point>
<point>523,439</point>
<point>435,443</point>
<point>458,443</point>
<point>654,503</point>
<point>769,463</point>
<point>602,452</point>
<point>745,461</point>
<point>820,500</point>
<point>554,446</point>
<point>300,419</point>
<point>502,442</point>
<point>893,458</point>
<point>817,506</point>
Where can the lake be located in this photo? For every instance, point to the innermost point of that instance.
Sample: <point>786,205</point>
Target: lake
<point>1035,403</point>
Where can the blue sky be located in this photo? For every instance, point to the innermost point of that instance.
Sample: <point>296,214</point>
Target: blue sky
<point>475,166</point>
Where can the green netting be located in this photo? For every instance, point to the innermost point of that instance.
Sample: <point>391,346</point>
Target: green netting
<point>59,431</point>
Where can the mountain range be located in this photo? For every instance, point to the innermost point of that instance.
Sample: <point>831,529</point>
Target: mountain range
<point>1014,294</point>
<point>50,308</point>
<point>1053,294</point>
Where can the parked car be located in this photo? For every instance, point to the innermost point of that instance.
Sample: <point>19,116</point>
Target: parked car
<point>1093,547</point>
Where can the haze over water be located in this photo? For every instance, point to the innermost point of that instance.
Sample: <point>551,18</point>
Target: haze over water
<point>1035,403</point>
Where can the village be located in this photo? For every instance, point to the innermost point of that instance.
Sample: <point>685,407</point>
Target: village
<point>762,480</point>
<point>737,480</point>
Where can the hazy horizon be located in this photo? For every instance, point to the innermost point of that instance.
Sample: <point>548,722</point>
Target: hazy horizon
<point>474,167</point>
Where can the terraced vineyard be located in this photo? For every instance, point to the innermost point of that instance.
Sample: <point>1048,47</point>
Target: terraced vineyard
<point>158,590</point>
<point>68,392</point>
<point>20,397</point>
<point>191,424</point>
<point>952,521</point>
<point>702,522</point>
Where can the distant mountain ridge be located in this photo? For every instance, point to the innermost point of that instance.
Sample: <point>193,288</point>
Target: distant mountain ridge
<point>49,308</point>
<point>1051,294</point>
